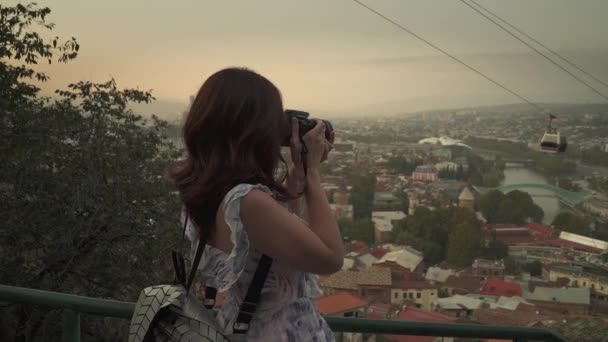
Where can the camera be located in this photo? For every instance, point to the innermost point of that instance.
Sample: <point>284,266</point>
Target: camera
<point>305,124</point>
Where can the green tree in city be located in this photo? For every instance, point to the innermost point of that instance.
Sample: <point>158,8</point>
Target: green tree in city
<point>362,195</point>
<point>363,230</point>
<point>403,198</point>
<point>500,164</point>
<point>495,250</point>
<point>516,207</point>
<point>535,268</point>
<point>464,244</point>
<point>511,266</point>
<point>572,223</point>
<point>489,203</point>
<point>83,203</point>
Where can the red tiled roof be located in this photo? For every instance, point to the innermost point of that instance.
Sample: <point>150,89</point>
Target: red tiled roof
<point>497,287</point>
<point>339,302</point>
<point>542,230</point>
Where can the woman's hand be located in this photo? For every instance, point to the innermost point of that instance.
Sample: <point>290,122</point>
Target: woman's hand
<point>297,170</point>
<point>318,147</point>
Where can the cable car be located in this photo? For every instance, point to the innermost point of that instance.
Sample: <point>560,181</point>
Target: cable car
<point>552,141</point>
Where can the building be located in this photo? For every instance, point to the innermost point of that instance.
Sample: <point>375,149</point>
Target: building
<point>419,293</point>
<point>370,282</point>
<point>384,222</point>
<point>568,301</point>
<point>596,207</point>
<point>425,173</point>
<point>341,195</point>
<point>458,306</point>
<point>584,275</point>
<point>497,287</point>
<point>412,205</point>
<point>544,254</point>
<point>406,257</point>
<point>386,200</point>
<point>488,268</point>
<point>342,304</point>
<point>437,275</point>
<point>447,165</point>
<point>466,199</point>
<point>342,211</point>
<point>462,285</point>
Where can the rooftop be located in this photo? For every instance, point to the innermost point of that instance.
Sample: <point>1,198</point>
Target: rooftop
<point>438,274</point>
<point>350,280</point>
<point>467,283</point>
<point>459,302</point>
<point>407,258</point>
<point>466,195</point>
<point>497,287</point>
<point>571,295</point>
<point>339,302</point>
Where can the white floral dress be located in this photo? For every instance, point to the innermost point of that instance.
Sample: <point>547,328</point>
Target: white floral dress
<point>286,311</point>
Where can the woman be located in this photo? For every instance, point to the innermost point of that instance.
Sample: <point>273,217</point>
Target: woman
<point>228,184</point>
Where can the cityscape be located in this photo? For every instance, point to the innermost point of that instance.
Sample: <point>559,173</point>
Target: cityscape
<point>456,216</point>
<point>460,211</point>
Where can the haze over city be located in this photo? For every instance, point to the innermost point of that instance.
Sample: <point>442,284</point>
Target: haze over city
<point>333,58</point>
<point>470,190</point>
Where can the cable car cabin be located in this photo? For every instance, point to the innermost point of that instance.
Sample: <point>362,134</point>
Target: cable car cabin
<point>553,142</point>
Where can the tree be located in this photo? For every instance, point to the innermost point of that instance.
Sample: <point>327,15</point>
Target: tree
<point>496,250</point>
<point>572,223</point>
<point>499,163</point>
<point>403,198</point>
<point>362,195</point>
<point>362,230</point>
<point>489,204</point>
<point>535,268</point>
<point>464,244</point>
<point>515,207</point>
<point>511,266</point>
<point>84,205</point>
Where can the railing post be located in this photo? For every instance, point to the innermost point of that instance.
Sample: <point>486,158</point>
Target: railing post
<point>71,326</point>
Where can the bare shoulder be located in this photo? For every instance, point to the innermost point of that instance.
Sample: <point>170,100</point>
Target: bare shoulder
<point>256,199</point>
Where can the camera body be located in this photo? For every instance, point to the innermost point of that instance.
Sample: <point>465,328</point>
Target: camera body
<point>305,124</point>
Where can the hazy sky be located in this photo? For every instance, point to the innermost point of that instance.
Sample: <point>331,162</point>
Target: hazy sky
<point>333,57</point>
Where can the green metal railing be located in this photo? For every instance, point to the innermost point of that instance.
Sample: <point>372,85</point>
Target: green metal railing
<point>73,306</point>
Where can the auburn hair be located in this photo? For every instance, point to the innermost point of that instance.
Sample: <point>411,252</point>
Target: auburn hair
<point>233,134</point>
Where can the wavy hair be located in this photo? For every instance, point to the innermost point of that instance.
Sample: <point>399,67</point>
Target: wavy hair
<point>233,134</point>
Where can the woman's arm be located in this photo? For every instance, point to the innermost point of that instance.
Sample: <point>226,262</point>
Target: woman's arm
<point>276,232</point>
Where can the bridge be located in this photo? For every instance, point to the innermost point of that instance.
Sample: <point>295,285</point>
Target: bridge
<point>566,196</point>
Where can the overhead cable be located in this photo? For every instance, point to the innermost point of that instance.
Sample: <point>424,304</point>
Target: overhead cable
<point>536,50</point>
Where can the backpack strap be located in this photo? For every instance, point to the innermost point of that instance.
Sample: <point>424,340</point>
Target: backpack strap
<point>252,298</point>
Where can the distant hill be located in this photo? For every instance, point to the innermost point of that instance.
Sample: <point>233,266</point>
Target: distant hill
<point>521,108</point>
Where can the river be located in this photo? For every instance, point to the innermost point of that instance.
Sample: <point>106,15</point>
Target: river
<point>518,175</point>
